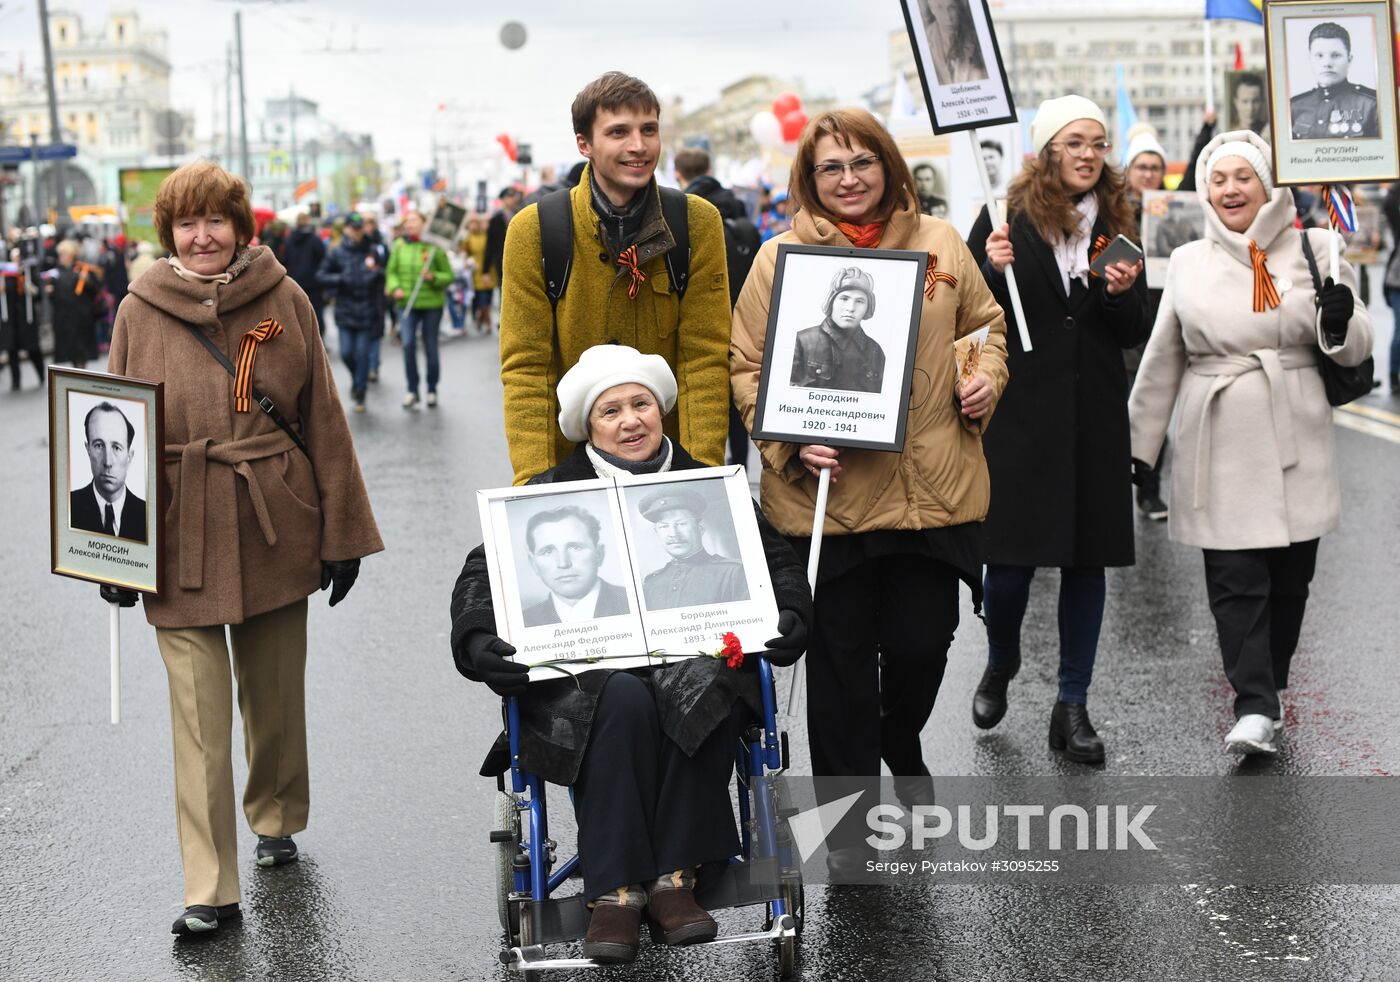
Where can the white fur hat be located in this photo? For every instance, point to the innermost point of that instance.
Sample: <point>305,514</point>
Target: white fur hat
<point>1143,142</point>
<point>1055,114</point>
<point>1241,143</point>
<point>599,369</point>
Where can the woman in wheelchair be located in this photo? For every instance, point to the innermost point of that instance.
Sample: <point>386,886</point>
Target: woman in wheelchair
<point>648,753</point>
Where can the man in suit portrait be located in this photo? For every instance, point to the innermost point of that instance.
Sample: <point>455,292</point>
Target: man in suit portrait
<point>105,505</point>
<point>566,552</point>
<point>694,575</point>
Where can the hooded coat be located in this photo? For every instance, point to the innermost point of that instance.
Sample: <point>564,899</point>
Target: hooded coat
<point>1255,463</point>
<point>251,518</point>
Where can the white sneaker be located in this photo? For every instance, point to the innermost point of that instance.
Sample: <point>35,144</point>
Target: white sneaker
<point>432,400</point>
<point>410,401</point>
<point>1253,734</point>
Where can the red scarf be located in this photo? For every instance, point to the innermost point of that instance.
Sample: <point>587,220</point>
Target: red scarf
<point>863,236</point>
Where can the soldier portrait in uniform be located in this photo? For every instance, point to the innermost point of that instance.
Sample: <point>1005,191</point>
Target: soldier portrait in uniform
<point>837,353</point>
<point>695,534</point>
<point>952,41</point>
<point>929,187</point>
<point>1332,93</point>
<point>565,549</point>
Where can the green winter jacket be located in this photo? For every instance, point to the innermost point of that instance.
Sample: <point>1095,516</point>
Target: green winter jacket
<point>404,267</point>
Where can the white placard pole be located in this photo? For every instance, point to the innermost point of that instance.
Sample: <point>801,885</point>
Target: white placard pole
<point>814,559</point>
<point>115,615</point>
<point>998,219</point>
<point>1210,69</point>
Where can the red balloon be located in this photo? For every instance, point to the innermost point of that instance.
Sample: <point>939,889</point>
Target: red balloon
<point>786,103</point>
<point>792,124</point>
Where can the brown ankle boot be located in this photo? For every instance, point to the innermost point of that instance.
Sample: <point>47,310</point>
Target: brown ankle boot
<point>681,919</point>
<point>614,932</point>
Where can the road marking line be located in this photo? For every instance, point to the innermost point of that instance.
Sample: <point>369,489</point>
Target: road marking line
<point>1368,426</point>
<point>1373,413</point>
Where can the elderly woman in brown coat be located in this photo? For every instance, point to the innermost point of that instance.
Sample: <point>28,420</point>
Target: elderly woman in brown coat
<point>267,507</point>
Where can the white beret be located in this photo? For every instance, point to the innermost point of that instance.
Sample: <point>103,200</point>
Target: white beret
<point>599,369</point>
<point>1246,145</point>
<point>1055,114</point>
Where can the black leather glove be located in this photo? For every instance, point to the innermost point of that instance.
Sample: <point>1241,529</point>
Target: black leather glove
<point>341,572</point>
<point>1336,304</point>
<point>119,595</point>
<point>791,641</point>
<point>1141,469</point>
<point>481,657</point>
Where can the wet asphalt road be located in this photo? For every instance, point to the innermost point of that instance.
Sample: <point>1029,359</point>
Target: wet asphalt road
<point>396,880</point>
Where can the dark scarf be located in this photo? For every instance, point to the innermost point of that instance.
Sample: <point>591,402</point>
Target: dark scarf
<point>620,226</point>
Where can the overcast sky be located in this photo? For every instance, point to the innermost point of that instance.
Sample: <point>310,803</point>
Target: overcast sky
<point>385,65</point>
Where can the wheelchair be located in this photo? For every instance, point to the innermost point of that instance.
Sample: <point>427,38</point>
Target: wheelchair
<point>767,872</point>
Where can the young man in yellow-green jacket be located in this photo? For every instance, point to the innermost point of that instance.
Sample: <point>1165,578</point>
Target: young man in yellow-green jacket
<point>412,260</point>
<point>619,286</point>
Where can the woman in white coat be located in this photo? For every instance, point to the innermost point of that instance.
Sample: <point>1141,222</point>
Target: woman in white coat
<point>1235,350</point>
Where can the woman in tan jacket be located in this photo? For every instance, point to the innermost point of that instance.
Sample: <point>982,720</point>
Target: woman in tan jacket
<point>901,529</point>
<point>261,516</point>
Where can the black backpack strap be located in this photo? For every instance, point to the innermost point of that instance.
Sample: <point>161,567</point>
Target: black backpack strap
<point>1312,267</point>
<point>265,403</point>
<point>675,211</point>
<point>556,243</point>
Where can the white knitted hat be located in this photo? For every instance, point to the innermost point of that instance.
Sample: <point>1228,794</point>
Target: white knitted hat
<point>599,369</point>
<point>1144,142</point>
<point>1055,114</point>
<point>1249,151</point>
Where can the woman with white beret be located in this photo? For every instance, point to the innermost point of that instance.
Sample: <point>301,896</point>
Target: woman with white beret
<point>1235,351</point>
<point>1059,452</point>
<point>622,738</point>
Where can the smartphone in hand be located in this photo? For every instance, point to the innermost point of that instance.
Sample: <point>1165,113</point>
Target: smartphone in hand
<point>1120,250</point>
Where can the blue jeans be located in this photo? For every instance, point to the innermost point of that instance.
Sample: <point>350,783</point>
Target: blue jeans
<point>374,354</point>
<point>354,351</point>
<point>1082,590</point>
<point>410,323</point>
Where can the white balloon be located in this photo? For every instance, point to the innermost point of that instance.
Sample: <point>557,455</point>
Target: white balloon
<point>766,129</point>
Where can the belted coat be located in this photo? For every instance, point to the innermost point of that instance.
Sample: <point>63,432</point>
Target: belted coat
<point>251,517</point>
<point>1255,459</point>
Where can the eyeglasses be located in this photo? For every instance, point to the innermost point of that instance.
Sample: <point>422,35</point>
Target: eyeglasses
<point>830,170</point>
<point>1148,168</point>
<point>1076,148</point>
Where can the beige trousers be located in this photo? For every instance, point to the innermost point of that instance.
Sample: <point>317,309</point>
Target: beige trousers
<point>269,661</point>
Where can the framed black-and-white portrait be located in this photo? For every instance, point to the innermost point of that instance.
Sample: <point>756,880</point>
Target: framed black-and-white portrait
<point>839,352</point>
<point>931,184</point>
<point>1364,245</point>
<point>626,573</point>
<point>1332,91</point>
<point>107,492</point>
<point>1169,219</point>
<point>1247,101</point>
<point>955,48</point>
<point>444,228</point>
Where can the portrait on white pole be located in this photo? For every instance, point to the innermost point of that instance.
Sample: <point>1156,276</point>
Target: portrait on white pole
<point>959,62</point>
<point>839,353</point>
<point>1332,91</point>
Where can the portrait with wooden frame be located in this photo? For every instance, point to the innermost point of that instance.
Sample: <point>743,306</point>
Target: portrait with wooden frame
<point>107,487</point>
<point>960,68</point>
<point>1332,91</point>
<point>838,357</point>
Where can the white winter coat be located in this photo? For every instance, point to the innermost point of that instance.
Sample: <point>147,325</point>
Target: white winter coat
<point>1254,463</point>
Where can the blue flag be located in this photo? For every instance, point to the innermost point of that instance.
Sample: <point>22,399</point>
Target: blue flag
<point>1127,114</point>
<point>1250,10</point>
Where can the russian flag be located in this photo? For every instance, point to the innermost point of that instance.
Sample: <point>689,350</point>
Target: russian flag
<point>1339,208</point>
<point>1250,10</point>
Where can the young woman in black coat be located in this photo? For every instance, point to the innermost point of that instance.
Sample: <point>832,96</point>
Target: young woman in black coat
<point>1059,454</point>
<point>619,738</point>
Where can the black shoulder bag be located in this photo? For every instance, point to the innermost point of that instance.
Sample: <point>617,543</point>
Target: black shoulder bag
<point>264,402</point>
<point>1341,383</point>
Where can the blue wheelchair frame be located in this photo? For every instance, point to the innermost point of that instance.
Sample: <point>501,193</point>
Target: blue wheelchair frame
<point>766,872</point>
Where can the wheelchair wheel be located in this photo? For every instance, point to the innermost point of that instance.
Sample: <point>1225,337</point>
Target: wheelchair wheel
<point>505,843</point>
<point>786,948</point>
<point>526,938</point>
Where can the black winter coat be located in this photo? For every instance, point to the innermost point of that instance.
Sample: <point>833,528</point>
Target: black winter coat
<point>1059,454</point>
<point>75,315</point>
<point>18,330</point>
<point>359,290</point>
<point>692,696</point>
<point>302,256</point>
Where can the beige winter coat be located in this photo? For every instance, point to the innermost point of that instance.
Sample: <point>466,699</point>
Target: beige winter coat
<point>250,517</point>
<point>1254,457</point>
<point>941,477</point>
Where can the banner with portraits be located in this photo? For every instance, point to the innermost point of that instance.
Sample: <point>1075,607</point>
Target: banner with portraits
<point>955,48</point>
<point>838,358</point>
<point>629,572</point>
<point>107,491</point>
<point>1332,91</point>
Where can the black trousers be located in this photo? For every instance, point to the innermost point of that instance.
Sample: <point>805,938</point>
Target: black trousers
<point>36,357</point>
<point>643,807</point>
<point>878,651</point>
<point>738,439</point>
<point>1258,597</point>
